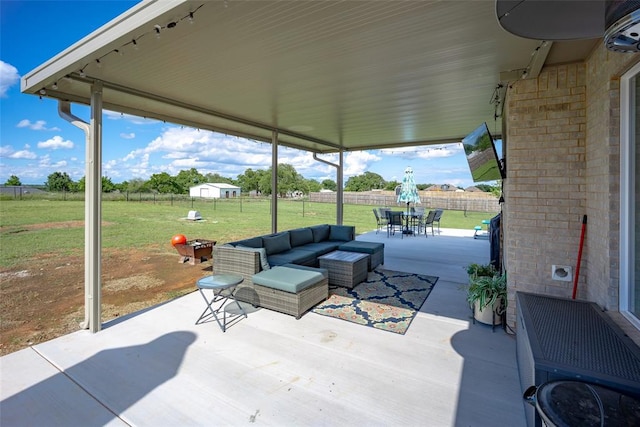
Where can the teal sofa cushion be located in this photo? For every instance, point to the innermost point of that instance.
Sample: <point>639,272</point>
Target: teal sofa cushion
<point>254,242</point>
<point>276,243</point>
<point>293,256</point>
<point>362,247</point>
<point>300,236</point>
<point>342,232</point>
<point>321,248</point>
<point>287,279</point>
<point>320,232</point>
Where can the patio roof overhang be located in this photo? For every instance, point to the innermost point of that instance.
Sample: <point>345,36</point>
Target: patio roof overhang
<point>327,76</point>
<point>322,76</point>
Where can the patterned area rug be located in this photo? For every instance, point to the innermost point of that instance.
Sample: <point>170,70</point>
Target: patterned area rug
<point>387,300</point>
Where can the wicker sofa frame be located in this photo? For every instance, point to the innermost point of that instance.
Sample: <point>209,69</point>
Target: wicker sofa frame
<point>229,260</point>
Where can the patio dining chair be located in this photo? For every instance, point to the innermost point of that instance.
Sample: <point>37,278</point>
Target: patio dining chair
<point>395,222</point>
<point>417,215</point>
<point>428,222</point>
<point>381,221</point>
<point>437,217</point>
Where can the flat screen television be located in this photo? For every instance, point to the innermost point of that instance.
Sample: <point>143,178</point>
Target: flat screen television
<point>480,150</point>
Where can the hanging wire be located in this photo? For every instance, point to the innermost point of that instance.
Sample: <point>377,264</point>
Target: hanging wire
<point>156,29</point>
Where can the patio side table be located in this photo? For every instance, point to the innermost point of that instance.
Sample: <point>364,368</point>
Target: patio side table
<point>223,287</point>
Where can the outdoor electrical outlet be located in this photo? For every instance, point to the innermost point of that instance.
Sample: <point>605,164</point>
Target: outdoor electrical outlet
<point>561,272</point>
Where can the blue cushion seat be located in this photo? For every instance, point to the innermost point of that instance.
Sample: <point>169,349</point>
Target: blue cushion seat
<point>373,249</point>
<point>287,279</point>
<point>321,248</point>
<point>362,247</point>
<point>294,256</point>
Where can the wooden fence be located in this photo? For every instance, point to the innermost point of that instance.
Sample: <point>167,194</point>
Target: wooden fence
<point>448,200</point>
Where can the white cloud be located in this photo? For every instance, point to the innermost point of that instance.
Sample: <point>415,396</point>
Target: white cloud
<point>38,125</point>
<point>23,154</point>
<point>129,135</point>
<point>424,152</point>
<point>8,77</point>
<point>206,151</point>
<point>55,143</point>
<point>357,162</point>
<point>7,151</point>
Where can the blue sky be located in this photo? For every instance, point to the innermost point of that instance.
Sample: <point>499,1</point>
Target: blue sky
<point>35,141</point>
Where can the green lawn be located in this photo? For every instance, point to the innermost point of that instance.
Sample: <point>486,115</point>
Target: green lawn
<point>29,227</point>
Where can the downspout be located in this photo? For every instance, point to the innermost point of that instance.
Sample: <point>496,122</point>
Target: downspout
<point>92,205</point>
<point>340,190</point>
<point>274,182</point>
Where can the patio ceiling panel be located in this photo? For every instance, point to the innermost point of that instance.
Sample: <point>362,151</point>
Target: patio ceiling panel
<point>325,75</point>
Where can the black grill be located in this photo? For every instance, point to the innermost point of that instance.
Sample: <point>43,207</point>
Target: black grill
<point>567,339</point>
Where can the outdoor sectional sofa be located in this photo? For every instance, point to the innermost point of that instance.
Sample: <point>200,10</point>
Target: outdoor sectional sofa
<point>284,265</point>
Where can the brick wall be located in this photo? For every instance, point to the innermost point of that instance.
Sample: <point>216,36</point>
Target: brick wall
<point>563,162</point>
<point>604,69</point>
<point>545,185</point>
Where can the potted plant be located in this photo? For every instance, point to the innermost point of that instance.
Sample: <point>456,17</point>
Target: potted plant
<point>487,292</point>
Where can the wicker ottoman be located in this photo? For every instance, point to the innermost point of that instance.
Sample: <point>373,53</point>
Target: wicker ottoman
<point>345,268</point>
<point>290,290</point>
<point>374,250</point>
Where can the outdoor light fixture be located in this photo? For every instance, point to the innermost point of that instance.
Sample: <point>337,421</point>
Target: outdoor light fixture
<point>623,27</point>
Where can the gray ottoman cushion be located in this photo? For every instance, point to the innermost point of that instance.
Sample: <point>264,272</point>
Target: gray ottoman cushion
<point>362,247</point>
<point>322,271</point>
<point>287,279</point>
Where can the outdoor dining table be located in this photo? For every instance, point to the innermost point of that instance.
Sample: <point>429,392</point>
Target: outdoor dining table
<point>410,216</point>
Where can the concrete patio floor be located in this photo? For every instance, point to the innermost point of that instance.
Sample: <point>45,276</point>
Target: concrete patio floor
<point>157,368</point>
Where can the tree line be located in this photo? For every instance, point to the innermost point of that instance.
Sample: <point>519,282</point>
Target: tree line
<point>257,181</point>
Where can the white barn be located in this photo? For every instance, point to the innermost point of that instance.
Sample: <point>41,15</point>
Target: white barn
<point>211,190</point>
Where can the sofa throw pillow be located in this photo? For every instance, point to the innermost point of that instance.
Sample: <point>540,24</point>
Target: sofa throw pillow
<point>264,263</point>
<point>254,242</point>
<point>276,243</point>
<point>300,236</point>
<point>341,232</point>
<point>320,232</point>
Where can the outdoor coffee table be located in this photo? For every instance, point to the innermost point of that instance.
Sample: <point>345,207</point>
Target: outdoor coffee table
<point>345,268</point>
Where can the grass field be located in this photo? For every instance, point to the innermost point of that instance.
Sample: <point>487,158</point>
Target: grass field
<point>42,254</point>
<point>30,227</point>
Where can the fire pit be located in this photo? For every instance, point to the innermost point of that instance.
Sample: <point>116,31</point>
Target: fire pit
<point>195,251</point>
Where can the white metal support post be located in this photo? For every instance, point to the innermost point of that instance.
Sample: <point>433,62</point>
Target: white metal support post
<point>92,205</point>
<point>340,190</point>
<point>93,192</point>
<point>274,182</point>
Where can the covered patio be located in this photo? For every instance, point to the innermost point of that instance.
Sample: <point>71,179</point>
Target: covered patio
<point>332,77</point>
<point>157,368</point>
